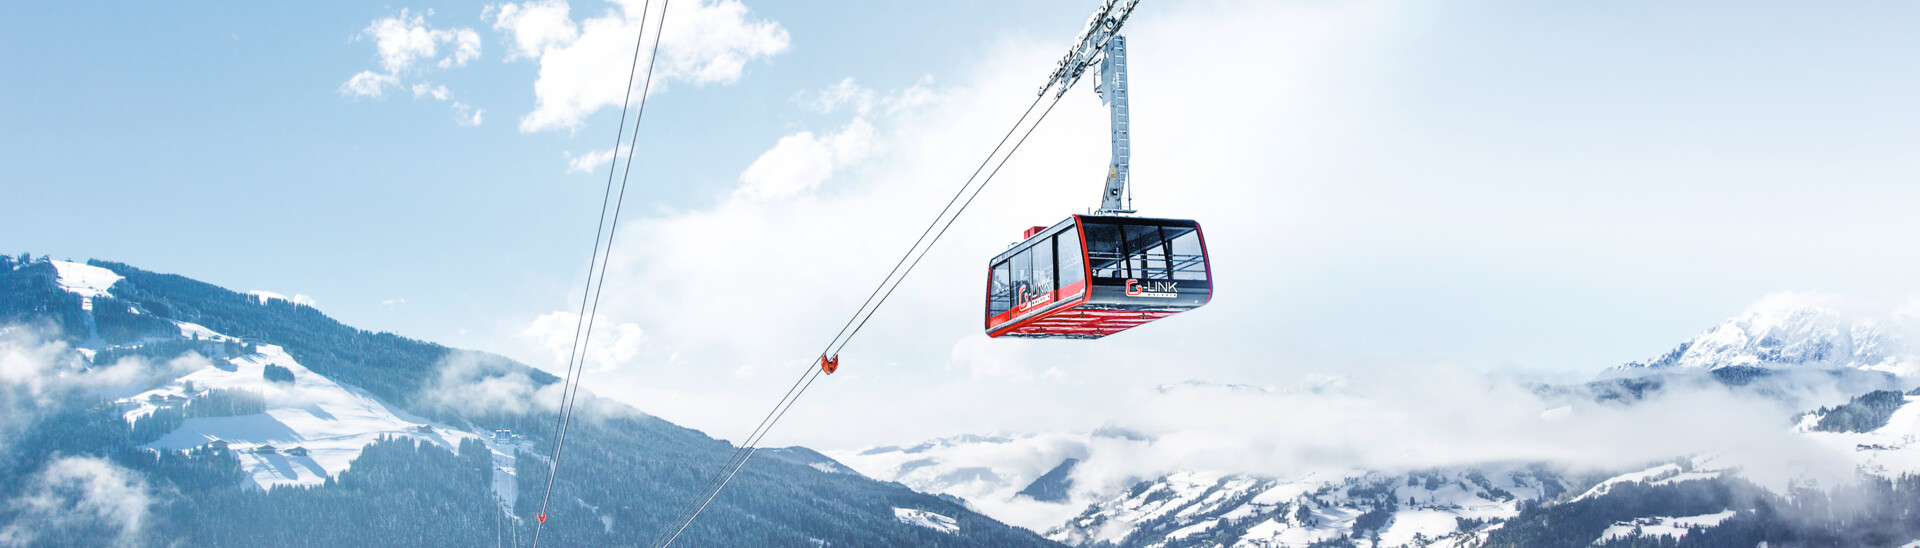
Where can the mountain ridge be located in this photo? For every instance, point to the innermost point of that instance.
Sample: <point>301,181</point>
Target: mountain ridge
<point>626,472</point>
<point>1781,332</point>
<point>1792,355</point>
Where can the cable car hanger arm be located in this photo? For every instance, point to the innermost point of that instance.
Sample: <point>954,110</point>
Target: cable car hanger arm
<point>1092,42</point>
<point>1101,41</point>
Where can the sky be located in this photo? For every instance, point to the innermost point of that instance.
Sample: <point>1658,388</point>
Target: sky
<point>1387,187</point>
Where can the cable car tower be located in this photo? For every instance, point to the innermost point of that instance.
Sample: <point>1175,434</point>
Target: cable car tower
<point>1090,276</point>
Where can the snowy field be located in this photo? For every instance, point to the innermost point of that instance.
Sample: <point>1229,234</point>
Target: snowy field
<point>332,422</point>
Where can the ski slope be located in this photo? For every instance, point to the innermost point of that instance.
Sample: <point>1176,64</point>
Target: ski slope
<point>331,421</point>
<point>85,280</point>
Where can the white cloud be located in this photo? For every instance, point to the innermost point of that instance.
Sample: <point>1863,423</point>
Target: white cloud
<point>85,496</point>
<point>850,95</point>
<point>368,84</point>
<point>32,362</point>
<point>480,384</point>
<point>846,93</point>
<point>798,163</point>
<point>533,26</point>
<point>711,41</point>
<point>474,383</point>
<point>36,369</point>
<point>986,358</point>
<point>583,65</point>
<point>591,161</point>
<point>465,115</point>
<point>405,39</point>
<point>915,96</point>
<point>467,48</point>
<point>1448,416</point>
<point>439,93</point>
<point>402,42</point>
<point>608,345</point>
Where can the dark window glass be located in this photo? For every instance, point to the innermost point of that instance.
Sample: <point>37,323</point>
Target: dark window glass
<point>1189,263</point>
<point>1042,268</point>
<point>1022,276</point>
<point>1067,252</point>
<point>1104,250</point>
<point>1000,295</point>
<point>1147,259</point>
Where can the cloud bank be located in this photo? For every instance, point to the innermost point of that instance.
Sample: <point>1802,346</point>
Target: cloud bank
<point>584,63</point>
<point>76,498</point>
<point>481,384</point>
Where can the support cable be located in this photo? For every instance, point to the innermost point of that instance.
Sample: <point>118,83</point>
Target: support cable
<point>583,327</point>
<point>757,433</point>
<point>891,283</point>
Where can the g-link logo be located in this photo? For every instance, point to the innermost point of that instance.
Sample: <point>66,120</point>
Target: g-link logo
<point>1164,290</point>
<point>1030,299</point>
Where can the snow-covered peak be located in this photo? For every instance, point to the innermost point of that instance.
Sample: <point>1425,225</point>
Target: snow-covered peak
<point>1786,330</point>
<point>84,280</point>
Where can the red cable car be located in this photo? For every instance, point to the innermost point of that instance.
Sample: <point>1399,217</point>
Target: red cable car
<point>1095,275</point>
<point>1142,269</point>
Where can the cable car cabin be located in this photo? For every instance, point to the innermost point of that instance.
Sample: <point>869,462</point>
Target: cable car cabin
<point>1141,270</point>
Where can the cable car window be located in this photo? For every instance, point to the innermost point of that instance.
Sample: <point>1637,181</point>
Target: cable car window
<point>1067,255</point>
<point>1022,275</point>
<point>1104,250</point>
<point>1000,296</point>
<point>1147,260</point>
<point>1042,279</point>
<point>1189,260</point>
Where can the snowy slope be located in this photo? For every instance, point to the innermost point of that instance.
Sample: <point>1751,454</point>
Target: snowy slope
<point>1204,509</point>
<point>1888,451</point>
<point>331,421</point>
<point>1780,332</point>
<point>1662,526</point>
<point>89,282</point>
<point>1703,467</point>
<point>923,518</point>
<point>85,280</point>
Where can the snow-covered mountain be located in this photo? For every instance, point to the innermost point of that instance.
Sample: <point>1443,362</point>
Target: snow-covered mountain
<point>1876,432</point>
<point>197,415</point>
<point>299,429</point>
<point>1001,474</point>
<point>1782,352</point>
<point>1203,509</point>
<point>1784,331</point>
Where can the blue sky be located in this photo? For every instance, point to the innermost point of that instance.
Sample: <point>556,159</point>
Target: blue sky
<point>216,140</point>
<point>1545,188</point>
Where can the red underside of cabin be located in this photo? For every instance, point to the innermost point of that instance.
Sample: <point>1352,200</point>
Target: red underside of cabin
<point>1069,321</point>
